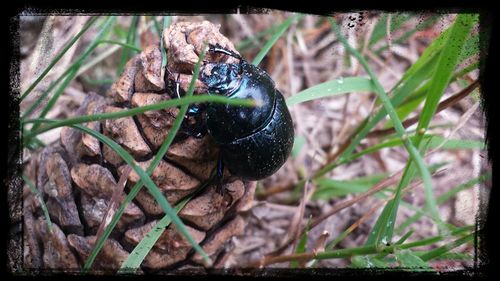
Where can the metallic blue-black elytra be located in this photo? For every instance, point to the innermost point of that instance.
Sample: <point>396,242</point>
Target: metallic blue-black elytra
<point>254,142</point>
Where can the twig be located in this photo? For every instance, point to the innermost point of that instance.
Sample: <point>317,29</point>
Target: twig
<point>442,106</point>
<point>293,230</point>
<point>388,32</point>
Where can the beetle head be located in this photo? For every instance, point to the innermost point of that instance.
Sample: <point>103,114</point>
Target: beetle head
<point>223,78</point>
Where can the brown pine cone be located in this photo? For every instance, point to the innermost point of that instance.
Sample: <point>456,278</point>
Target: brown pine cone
<point>78,175</point>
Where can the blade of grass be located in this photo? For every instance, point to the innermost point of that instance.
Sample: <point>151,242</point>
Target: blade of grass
<point>71,69</point>
<point>387,249</point>
<point>415,99</point>
<point>364,250</point>
<point>420,26</point>
<point>332,88</point>
<point>103,55</point>
<point>446,248</point>
<point>413,77</point>
<point>379,31</point>
<point>244,44</point>
<point>141,250</point>
<point>404,237</point>
<point>298,144</point>
<point>400,92</point>
<point>125,45</point>
<point>431,240</point>
<point>367,262</point>
<point>449,256</point>
<point>157,27</point>
<point>166,23</point>
<point>301,246</point>
<point>447,61</point>
<point>38,196</point>
<point>329,188</point>
<point>415,155</point>
<point>383,229</point>
<point>139,253</point>
<point>186,100</point>
<point>435,141</point>
<point>443,198</point>
<point>409,260</point>
<point>279,31</point>
<point>58,57</point>
<point>131,35</point>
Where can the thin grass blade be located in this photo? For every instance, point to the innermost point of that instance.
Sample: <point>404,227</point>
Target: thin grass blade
<point>39,197</point>
<point>332,88</point>
<point>59,56</point>
<point>279,31</point>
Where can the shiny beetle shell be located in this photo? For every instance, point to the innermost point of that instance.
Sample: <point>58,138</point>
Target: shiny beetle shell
<point>254,141</point>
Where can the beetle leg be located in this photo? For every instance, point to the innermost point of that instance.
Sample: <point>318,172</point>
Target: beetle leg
<point>219,176</point>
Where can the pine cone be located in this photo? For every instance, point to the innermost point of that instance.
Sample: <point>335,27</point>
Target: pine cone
<point>78,175</point>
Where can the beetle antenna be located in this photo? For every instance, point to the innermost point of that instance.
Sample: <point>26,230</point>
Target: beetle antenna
<point>219,49</point>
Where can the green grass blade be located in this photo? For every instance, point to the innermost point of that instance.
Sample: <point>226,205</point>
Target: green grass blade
<point>430,53</point>
<point>166,23</point>
<point>446,64</point>
<point>380,30</point>
<point>443,198</point>
<point>449,256</point>
<point>59,56</point>
<point>435,141</point>
<point>446,248</point>
<point>131,35</point>
<point>298,144</point>
<point>470,48</point>
<point>38,196</point>
<point>332,88</point>
<point>372,249</point>
<point>254,40</point>
<point>400,93</point>
<point>420,26</point>
<point>409,260</point>
<point>125,45</point>
<point>71,69</point>
<point>383,229</point>
<point>156,24</point>
<point>417,97</point>
<point>186,100</point>
<point>139,253</point>
<point>301,246</point>
<point>447,61</point>
<point>279,31</point>
<point>329,188</point>
<point>367,262</point>
<point>404,237</point>
<point>415,155</point>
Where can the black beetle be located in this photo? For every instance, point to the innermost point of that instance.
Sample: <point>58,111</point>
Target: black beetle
<point>254,142</point>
